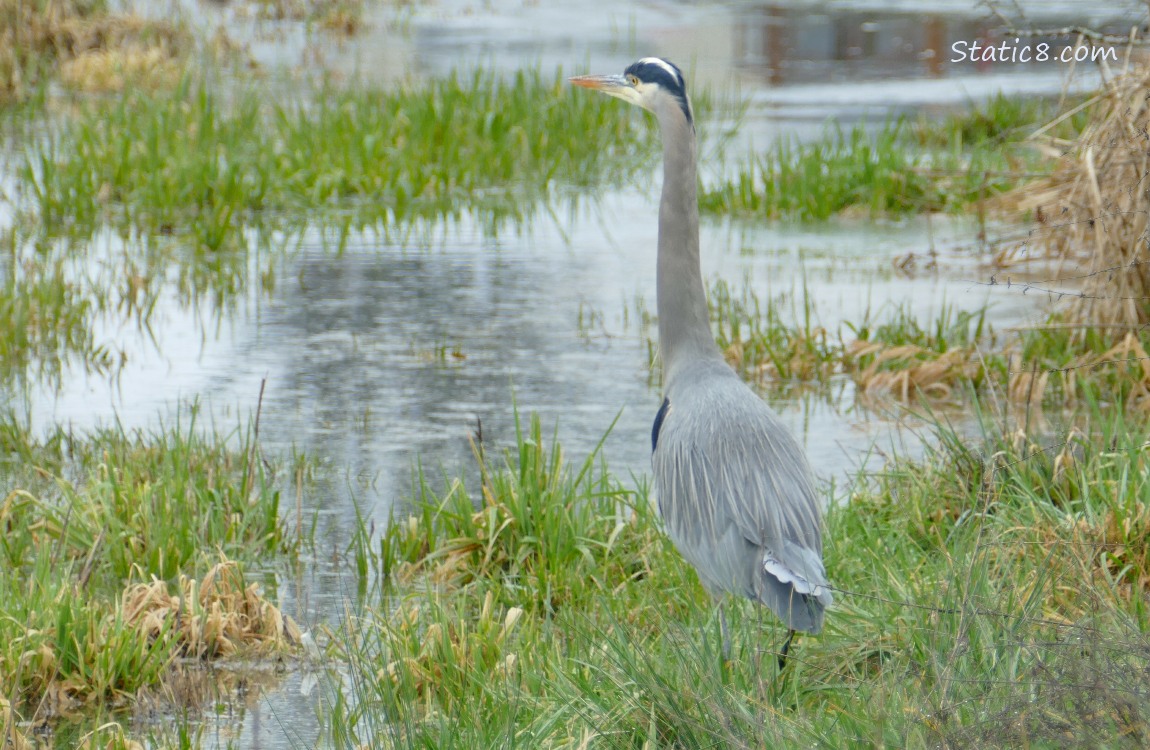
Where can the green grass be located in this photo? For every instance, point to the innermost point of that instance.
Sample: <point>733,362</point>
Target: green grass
<point>538,521</point>
<point>46,320</point>
<point>992,594</point>
<point>189,202</point>
<point>86,518</point>
<point>1002,119</point>
<point>779,343</point>
<point>876,174</point>
<point>767,341</point>
<point>902,168</point>
<point>187,162</point>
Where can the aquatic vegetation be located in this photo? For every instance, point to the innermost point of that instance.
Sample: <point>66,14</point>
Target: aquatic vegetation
<point>45,320</point>
<point>91,47</point>
<point>900,357</point>
<point>340,16</point>
<point>173,186</point>
<point>977,590</point>
<point>95,528</point>
<point>896,169</point>
<point>890,353</point>
<point>1002,119</point>
<point>538,520</point>
<point>185,162</point>
<point>764,343</point>
<point>813,181</point>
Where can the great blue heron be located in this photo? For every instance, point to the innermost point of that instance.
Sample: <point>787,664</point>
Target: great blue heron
<point>733,484</point>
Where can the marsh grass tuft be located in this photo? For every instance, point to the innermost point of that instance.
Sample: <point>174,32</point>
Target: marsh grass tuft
<point>813,181</point>
<point>899,168</point>
<point>888,354</point>
<point>764,342</point>
<point>979,591</point>
<point>1002,119</point>
<point>338,16</point>
<point>217,617</point>
<point>779,343</point>
<point>92,47</point>
<point>903,358</point>
<point>95,526</point>
<point>185,161</point>
<point>536,520</point>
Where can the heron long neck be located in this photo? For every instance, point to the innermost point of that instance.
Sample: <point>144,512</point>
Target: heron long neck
<point>684,323</point>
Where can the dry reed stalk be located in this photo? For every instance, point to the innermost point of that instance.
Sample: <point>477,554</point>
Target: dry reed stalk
<point>1091,212</point>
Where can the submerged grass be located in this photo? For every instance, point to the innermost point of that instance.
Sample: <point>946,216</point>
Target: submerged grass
<point>121,552</point>
<point>45,320</point>
<point>992,594</point>
<point>194,193</point>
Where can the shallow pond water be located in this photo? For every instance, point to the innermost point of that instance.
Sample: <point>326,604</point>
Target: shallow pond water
<point>385,354</point>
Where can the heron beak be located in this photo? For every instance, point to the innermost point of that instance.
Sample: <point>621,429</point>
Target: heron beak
<point>613,85</point>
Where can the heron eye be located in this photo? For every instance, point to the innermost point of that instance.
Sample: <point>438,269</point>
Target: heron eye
<point>634,81</point>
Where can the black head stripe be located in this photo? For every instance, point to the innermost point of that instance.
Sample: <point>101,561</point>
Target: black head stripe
<point>667,75</point>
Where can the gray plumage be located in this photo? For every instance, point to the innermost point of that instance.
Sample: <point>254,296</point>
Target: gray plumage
<point>733,484</point>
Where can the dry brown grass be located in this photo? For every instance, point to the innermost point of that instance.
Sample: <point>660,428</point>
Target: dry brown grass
<point>1091,212</point>
<point>1130,352</point>
<point>218,617</point>
<point>343,17</point>
<point>110,53</point>
<point>222,616</point>
<point>10,736</point>
<point>909,371</point>
<point>92,49</point>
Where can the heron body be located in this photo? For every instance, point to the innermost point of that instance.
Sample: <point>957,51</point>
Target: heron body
<point>733,485</point>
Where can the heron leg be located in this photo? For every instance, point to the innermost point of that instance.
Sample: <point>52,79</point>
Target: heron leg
<point>783,651</point>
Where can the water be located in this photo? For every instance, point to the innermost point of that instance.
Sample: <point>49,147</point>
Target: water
<point>390,352</point>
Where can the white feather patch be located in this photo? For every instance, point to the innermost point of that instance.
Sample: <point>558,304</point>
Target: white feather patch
<point>786,575</point>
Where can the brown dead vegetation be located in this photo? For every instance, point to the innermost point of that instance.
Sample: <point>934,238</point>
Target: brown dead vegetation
<point>92,49</point>
<point>218,617</point>
<point>1090,213</point>
<point>908,371</point>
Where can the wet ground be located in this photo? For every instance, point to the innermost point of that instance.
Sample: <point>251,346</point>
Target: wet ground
<point>389,353</point>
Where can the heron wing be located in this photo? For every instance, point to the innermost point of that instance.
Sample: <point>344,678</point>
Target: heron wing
<point>727,470</point>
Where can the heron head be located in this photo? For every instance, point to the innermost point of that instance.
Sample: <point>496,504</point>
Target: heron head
<point>652,83</point>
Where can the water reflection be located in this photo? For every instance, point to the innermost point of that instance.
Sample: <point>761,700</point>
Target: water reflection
<point>790,44</point>
<point>777,43</point>
<point>386,354</point>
